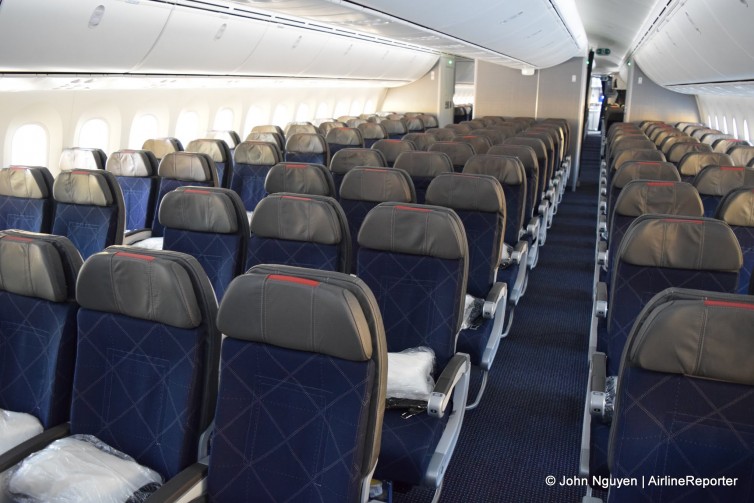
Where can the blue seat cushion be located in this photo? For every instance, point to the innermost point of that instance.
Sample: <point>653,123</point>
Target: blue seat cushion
<point>25,214</point>
<point>295,253</point>
<point>138,196</point>
<point>248,182</point>
<point>91,229</point>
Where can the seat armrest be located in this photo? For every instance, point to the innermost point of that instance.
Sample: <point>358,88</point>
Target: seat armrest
<point>597,385</point>
<point>519,251</point>
<point>600,301</point>
<point>543,207</point>
<point>498,292</point>
<point>17,454</point>
<point>451,374</point>
<point>132,237</point>
<point>172,490</point>
<point>550,194</point>
<point>532,228</point>
<point>602,223</point>
<point>602,253</point>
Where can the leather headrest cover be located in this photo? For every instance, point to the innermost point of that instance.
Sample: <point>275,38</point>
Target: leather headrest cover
<point>130,163</point>
<point>161,147</point>
<point>391,149</point>
<point>526,154</point>
<point>87,187</point>
<point>678,150</point>
<point>376,185</point>
<point>424,164</point>
<point>719,180</point>
<point>258,153</point>
<point>681,243</point>
<point>707,338</point>
<point>306,142</point>
<point>345,136</point>
<point>304,128</point>
<point>296,313</point>
<point>79,158</point>
<point>199,209</point>
<point>421,140</point>
<point>216,149</point>
<point>742,156</point>
<point>414,229</point>
<point>645,170</point>
<point>186,166</point>
<point>298,178</point>
<point>229,137</point>
<point>458,152</point>
<point>150,286</point>
<point>462,191</point>
<point>693,163</point>
<point>640,197</point>
<point>32,268</point>
<point>23,182</point>
<point>270,128</point>
<point>349,158</point>
<point>372,131</point>
<point>637,155</point>
<point>414,124</point>
<point>268,136</point>
<point>297,218</point>
<point>430,121</point>
<point>394,126</point>
<point>738,208</point>
<point>507,169</point>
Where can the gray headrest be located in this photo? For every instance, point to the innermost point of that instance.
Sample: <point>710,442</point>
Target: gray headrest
<point>414,229</point>
<point>462,191</point>
<point>187,166</point>
<point>269,137</point>
<point>298,313</point>
<point>708,338</point>
<point>137,163</point>
<point>161,147</point>
<point>639,197</point>
<point>737,208</point>
<point>535,143</point>
<point>258,153</point>
<point>216,149</point>
<point>507,169</point>
<point>200,209</point>
<point>377,185</point>
<point>372,131</point>
<point>268,128</point>
<point>430,121</point>
<point>724,144</point>
<point>83,187</point>
<point>326,126</point>
<point>424,164</point>
<point>742,156</point>
<point>230,138</point>
<point>297,218</point>
<point>394,126</point>
<point>422,141</point>
<point>693,163</point>
<point>442,134</point>
<point>306,142</point>
<point>637,155</point>
<point>345,136</point>
<point>458,152</point>
<point>28,183</point>
<point>681,243</point>
<point>81,158</point>
<point>645,170</point>
<point>294,128</point>
<point>626,142</point>
<point>391,149</point>
<point>719,180</point>
<point>348,158</point>
<point>299,178</point>
<point>525,153</point>
<point>149,285</point>
<point>480,143</point>
<point>414,124</point>
<point>677,151</point>
<point>32,267</point>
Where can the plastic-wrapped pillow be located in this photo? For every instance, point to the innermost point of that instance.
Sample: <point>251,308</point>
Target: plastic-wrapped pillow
<point>150,243</point>
<point>79,469</point>
<point>16,427</point>
<point>409,373</point>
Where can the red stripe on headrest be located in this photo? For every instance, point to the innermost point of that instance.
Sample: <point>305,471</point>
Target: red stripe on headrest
<point>197,191</point>
<point>82,171</point>
<point>379,170</point>
<point>721,303</point>
<point>293,279</point>
<point>409,208</point>
<point>660,184</point>
<point>134,255</point>
<point>731,168</point>
<point>678,220</point>
<point>295,166</point>
<point>296,198</point>
<point>18,168</point>
<point>18,238</point>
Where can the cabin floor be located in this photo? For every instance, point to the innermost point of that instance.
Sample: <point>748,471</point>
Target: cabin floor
<point>528,425</point>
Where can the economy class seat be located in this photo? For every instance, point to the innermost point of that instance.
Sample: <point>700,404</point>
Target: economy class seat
<point>268,136</point>
<point>694,162</point>
<point>422,141</point>
<point>160,147</point>
<point>429,120</point>
<point>735,209</point>
<point>548,197</point>
<point>348,158</point>
<point>136,173</point>
<point>221,155</point>
<point>230,137</point>
<point>26,201</point>
<point>299,127</point>
<point>392,148</point>
<point>307,147</point>
<point>442,134</point>
<point>423,167</point>
<point>742,155</point>
<point>480,143</point>
<point>680,149</point>
<point>343,137</point>
<point>82,158</point>
<point>458,152</point>
<point>636,170</point>
<point>298,178</point>
<point>414,125</point>
<point>714,182</point>
<point>37,332</point>
<point>395,128</point>
<point>459,129</point>
<point>145,384</point>
<point>326,126</point>
<point>268,128</point>
<point>726,144</point>
<point>372,132</point>
<point>252,161</point>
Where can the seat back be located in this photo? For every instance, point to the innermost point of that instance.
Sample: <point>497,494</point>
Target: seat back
<point>161,147</point>
<point>423,167</point>
<point>736,210</point>
<point>458,152</point>
<point>82,158</point>
<point>535,186</point>
<point>684,400</point>
<point>680,149</point>
<point>307,147</point>
<point>694,162</point>
<point>136,173</point>
<point>542,159</point>
<point>317,428</point>
<point>415,259</point>
<point>480,143</point>
<point>724,145</point>
<point>395,128</point>
<point>422,141</point>
<point>312,179</point>
<point>37,324</point>
<point>146,365</point>
<point>303,231</point>
<point>429,120</point>
<point>268,136</point>
<point>442,134</point>
<point>210,224</point>
<point>220,154</point>
<point>414,125</point>
<point>179,169</point>
<point>364,188</point>
<point>252,161</point>
<point>89,210</point>
<point>293,128</point>
<point>660,252</point>
<point>26,198</point>
<point>326,126</point>
<point>343,137</point>
<point>268,128</point>
<point>713,182</point>
<point>742,155</point>
<point>479,202</point>
<point>639,170</point>
<point>348,158</point>
<point>372,132</point>
<point>230,137</point>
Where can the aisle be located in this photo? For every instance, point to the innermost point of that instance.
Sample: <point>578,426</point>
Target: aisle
<point>528,425</point>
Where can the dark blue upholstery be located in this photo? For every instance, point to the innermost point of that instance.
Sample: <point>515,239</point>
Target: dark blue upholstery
<point>296,253</point>
<point>25,214</point>
<point>710,204</point>
<point>355,212</point>
<point>138,195</point>
<point>515,202</point>
<point>90,228</point>
<point>248,182</point>
<point>483,232</point>
<point>285,426</point>
<point>745,237</point>
<point>306,157</point>
<point>473,340</point>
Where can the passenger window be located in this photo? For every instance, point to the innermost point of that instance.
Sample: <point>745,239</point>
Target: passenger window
<point>187,127</point>
<point>95,133</point>
<point>735,128</point>
<point>324,110</point>
<point>709,121</point>
<point>281,116</point>
<point>356,108</point>
<point>302,114</point>
<point>29,146</point>
<point>717,123</point>
<point>341,108</point>
<point>224,119</point>
<point>369,107</point>
<point>143,128</point>
<point>725,124</point>
<point>746,131</point>
<point>255,117</point>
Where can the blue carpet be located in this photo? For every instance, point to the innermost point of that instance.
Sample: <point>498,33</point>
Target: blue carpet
<point>528,425</point>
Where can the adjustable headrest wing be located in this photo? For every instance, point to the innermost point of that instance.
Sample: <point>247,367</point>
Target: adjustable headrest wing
<point>462,191</point>
<point>188,167</point>
<point>297,218</point>
<point>372,131</point>
<point>306,142</point>
<point>349,158</point>
<point>202,209</point>
<point>694,162</point>
<point>507,169</point>
<point>424,164</point>
<point>25,182</point>
<point>377,185</point>
<point>414,229</point>
<point>345,136</point>
<point>737,208</point>
<point>257,153</point>
<point>87,187</point>
<point>136,163</point>
<point>216,149</point>
<point>300,178</point>
<point>458,152</point>
<point>719,180</point>
<point>81,158</point>
<point>639,197</point>
<point>161,147</point>
<point>645,170</point>
<point>680,242</point>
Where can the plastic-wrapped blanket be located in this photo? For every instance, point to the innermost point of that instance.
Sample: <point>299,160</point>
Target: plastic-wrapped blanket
<point>16,427</point>
<point>150,243</point>
<point>472,311</point>
<point>80,469</point>
<point>611,385</point>
<point>409,374</point>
